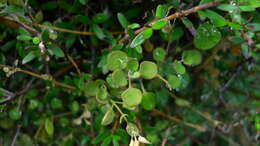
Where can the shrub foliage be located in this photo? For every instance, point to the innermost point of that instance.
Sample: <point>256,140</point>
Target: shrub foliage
<point>129,72</point>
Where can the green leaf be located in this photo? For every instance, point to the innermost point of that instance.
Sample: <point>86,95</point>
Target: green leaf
<point>159,24</point>
<point>102,93</point>
<point>98,31</point>
<point>148,69</point>
<point>182,102</point>
<point>119,79</point>
<point>29,57</point>
<point>174,81</point>
<point>100,18</point>
<point>254,3</point>
<point>132,65</point>
<point>56,103</point>
<point>148,101</point>
<point>191,57</point>
<point>216,18</point>
<point>227,7</point>
<point>101,136</point>
<point>139,49</point>
<point>74,106</point>
<point>254,26</point>
<point>159,54</point>
<point>108,117</point>
<point>178,67</point>
<point>161,11</point>
<point>122,20</point>
<point>24,38</point>
<point>107,141</point>
<point>138,40</point>
<point>147,33</point>
<point>70,41</point>
<point>207,36</point>
<point>91,88</point>
<point>246,8</point>
<point>116,60</point>
<point>132,129</point>
<point>50,5</point>
<point>186,22</point>
<point>36,40</point>
<point>176,34</point>
<point>15,114</point>
<point>83,2</point>
<point>49,126</point>
<point>132,97</point>
<point>56,51</point>
<point>134,26</point>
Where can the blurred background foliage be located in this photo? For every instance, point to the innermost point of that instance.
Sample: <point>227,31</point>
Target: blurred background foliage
<point>129,72</point>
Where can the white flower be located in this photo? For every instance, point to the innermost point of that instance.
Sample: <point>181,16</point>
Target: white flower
<point>136,141</point>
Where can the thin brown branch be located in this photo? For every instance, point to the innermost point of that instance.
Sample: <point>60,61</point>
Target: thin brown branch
<point>176,15</point>
<point>71,31</point>
<point>41,76</point>
<point>195,126</point>
<point>16,135</point>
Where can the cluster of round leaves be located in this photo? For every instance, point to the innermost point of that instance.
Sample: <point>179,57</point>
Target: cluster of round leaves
<point>122,70</point>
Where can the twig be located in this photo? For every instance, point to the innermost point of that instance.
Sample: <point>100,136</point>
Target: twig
<point>74,64</point>
<point>250,42</point>
<point>71,31</point>
<point>198,127</point>
<point>176,15</point>
<point>164,80</point>
<point>15,95</point>
<point>6,93</point>
<point>164,141</point>
<point>16,135</point>
<point>227,84</point>
<point>41,76</point>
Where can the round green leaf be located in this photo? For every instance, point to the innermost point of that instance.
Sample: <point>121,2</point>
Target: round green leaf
<point>178,67</point>
<point>102,92</point>
<point>36,40</point>
<point>174,81</point>
<point>134,74</point>
<point>191,57</point>
<point>159,24</point>
<point>33,104</point>
<point>116,60</point>
<point>56,103</point>
<point>91,88</point>
<point>110,81</point>
<point>108,117</point>
<point>119,78</point>
<point>132,96</point>
<point>148,69</point>
<point>132,65</point>
<point>159,54</point>
<point>207,36</point>
<point>15,114</point>
<point>148,101</point>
